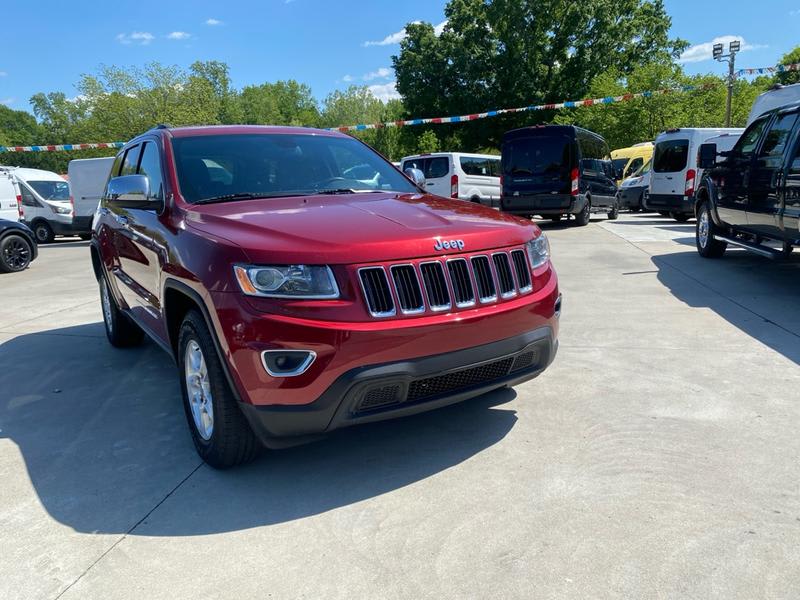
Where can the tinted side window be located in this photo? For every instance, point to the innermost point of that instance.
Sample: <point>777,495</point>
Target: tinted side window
<point>131,161</point>
<point>438,166</point>
<point>747,143</point>
<point>670,156</point>
<point>778,135</point>
<point>415,163</point>
<point>116,166</point>
<point>150,167</point>
<point>474,166</point>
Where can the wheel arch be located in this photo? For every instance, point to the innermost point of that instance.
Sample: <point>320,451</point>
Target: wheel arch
<point>177,300</point>
<point>707,193</point>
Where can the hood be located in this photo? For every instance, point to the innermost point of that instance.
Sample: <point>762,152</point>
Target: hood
<point>356,228</point>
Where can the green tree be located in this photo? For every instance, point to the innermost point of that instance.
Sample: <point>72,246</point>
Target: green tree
<point>508,53</point>
<point>789,77</point>
<point>279,103</point>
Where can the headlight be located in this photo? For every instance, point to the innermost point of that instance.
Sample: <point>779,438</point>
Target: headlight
<point>62,210</point>
<point>289,281</point>
<point>538,251</point>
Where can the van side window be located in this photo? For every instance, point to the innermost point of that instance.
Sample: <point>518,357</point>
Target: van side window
<point>747,143</point>
<point>778,135</point>
<point>414,163</point>
<point>150,167</point>
<point>485,167</point>
<point>438,166</point>
<point>131,161</point>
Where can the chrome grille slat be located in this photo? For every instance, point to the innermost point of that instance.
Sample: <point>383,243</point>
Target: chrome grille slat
<point>521,270</point>
<point>435,285</point>
<point>375,286</point>
<point>406,285</point>
<point>505,277</point>
<point>438,285</point>
<point>461,281</point>
<point>487,291</point>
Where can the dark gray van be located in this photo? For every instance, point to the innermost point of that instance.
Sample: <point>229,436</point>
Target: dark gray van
<point>557,170</point>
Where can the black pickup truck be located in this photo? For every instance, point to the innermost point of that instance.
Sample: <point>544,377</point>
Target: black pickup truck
<point>751,198</point>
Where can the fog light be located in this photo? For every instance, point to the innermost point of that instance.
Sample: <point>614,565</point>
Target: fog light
<point>287,363</point>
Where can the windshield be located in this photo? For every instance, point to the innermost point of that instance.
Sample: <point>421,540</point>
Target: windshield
<point>273,165</point>
<point>51,190</point>
<point>644,169</point>
<point>539,155</point>
<point>619,164</point>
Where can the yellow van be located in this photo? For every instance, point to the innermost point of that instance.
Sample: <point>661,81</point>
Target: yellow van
<point>627,161</point>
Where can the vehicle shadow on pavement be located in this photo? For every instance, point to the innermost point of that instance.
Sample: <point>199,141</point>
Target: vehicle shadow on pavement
<point>758,296</point>
<point>103,436</point>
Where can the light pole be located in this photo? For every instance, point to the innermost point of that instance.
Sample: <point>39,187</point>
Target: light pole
<point>718,50</point>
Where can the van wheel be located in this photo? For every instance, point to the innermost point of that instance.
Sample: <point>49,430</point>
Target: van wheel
<point>43,232</point>
<point>220,432</point>
<point>705,229</point>
<point>680,217</point>
<point>613,214</point>
<point>475,199</point>
<point>582,218</point>
<point>120,330</point>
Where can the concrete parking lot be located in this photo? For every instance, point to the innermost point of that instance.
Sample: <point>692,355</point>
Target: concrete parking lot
<point>659,457</point>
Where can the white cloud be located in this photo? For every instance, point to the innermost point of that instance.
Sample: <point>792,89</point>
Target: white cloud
<point>701,52</point>
<point>384,91</point>
<point>399,36</point>
<point>7,101</point>
<point>213,22</point>
<point>137,37</point>
<point>347,78</point>
<point>382,73</point>
<point>179,35</point>
<point>3,73</point>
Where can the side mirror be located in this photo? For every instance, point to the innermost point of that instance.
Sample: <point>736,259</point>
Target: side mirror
<point>131,191</point>
<point>415,175</point>
<point>707,157</point>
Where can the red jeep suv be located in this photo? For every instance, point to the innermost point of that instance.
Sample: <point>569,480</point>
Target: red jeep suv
<point>303,284</point>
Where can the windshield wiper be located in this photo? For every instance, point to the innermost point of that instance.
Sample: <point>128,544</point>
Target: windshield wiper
<point>244,196</point>
<point>344,191</point>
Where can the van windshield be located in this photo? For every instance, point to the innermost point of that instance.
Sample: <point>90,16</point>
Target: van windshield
<point>536,156</point>
<point>264,165</point>
<point>619,164</point>
<point>670,156</point>
<point>51,190</point>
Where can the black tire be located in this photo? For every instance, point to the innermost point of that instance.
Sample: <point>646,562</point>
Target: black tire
<point>43,232</point>
<point>636,209</point>
<point>613,214</point>
<point>680,217</point>
<point>475,200</point>
<point>120,330</point>
<point>15,253</point>
<point>707,246</point>
<point>85,236</point>
<point>583,217</point>
<point>663,213</point>
<point>230,441</point>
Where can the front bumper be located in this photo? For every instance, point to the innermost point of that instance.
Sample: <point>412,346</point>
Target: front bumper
<point>402,388</point>
<point>670,203</point>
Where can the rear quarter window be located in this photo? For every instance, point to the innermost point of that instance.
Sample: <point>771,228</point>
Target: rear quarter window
<point>438,167</point>
<point>670,156</point>
<point>482,167</point>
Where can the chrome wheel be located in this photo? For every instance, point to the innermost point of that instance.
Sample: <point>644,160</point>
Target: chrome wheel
<point>198,389</point>
<point>703,228</point>
<point>105,300</point>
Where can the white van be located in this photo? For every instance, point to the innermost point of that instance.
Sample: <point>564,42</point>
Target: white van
<point>87,179</point>
<point>45,203</point>
<point>473,177</point>
<point>9,207</point>
<point>774,97</point>
<point>674,173</point>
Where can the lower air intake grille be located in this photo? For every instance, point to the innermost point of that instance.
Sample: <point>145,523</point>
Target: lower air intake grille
<point>381,396</point>
<point>457,380</point>
<point>523,361</point>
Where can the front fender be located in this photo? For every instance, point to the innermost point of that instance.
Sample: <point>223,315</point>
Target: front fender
<point>707,192</point>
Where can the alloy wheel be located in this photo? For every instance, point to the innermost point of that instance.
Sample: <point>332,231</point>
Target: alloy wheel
<point>16,254</point>
<point>198,388</point>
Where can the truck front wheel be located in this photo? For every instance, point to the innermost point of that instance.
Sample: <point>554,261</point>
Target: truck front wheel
<point>707,245</point>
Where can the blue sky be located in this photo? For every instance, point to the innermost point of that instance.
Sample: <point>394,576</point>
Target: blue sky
<point>325,43</point>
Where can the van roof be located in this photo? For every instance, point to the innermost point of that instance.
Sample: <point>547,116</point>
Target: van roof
<point>569,130</point>
<point>34,174</point>
<point>467,154</point>
<point>692,131</point>
<point>631,151</point>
